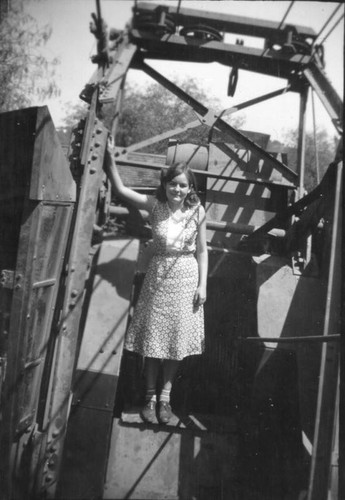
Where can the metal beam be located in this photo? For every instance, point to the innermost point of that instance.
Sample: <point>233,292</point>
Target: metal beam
<point>301,141</point>
<point>322,443</point>
<point>227,227</point>
<point>221,124</point>
<point>228,23</point>
<point>196,123</point>
<point>310,338</point>
<point>57,407</point>
<point>249,178</point>
<point>327,94</point>
<point>295,208</point>
<point>260,60</point>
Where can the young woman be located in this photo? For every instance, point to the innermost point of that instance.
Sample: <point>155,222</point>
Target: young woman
<point>168,321</point>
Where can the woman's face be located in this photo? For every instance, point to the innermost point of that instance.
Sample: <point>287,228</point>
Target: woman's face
<point>177,189</point>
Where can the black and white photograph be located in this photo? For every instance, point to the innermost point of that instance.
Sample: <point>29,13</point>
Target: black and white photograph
<point>171,250</point>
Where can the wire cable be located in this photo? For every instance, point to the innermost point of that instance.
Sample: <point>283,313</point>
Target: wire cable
<point>286,14</point>
<point>328,21</point>
<point>332,29</point>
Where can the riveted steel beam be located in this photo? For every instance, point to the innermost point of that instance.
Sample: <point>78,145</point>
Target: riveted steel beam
<point>58,399</point>
<point>265,61</point>
<point>228,23</point>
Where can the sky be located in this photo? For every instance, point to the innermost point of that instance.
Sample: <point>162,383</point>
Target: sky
<point>73,43</point>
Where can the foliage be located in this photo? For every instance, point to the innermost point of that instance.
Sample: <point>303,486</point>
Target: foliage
<point>153,110</point>
<point>149,111</point>
<point>25,73</point>
<point>324,154</point>
<point>73,114</point>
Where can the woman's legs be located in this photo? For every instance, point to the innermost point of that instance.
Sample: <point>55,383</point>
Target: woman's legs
<point>151,374</point>
<point>170,367</point>
<point>151,370</point>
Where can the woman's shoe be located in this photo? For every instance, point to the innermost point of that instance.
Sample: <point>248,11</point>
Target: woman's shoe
<point>164,412</point>
<point>148,412</point>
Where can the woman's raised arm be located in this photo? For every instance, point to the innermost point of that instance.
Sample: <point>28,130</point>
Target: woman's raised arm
<point>139,200</point>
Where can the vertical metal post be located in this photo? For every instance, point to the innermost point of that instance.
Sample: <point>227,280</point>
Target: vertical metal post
<point>301,141</point>
<point>315,141</point>
<point>326,405</point>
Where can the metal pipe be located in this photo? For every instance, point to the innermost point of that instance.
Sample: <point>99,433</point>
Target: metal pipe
<point>228,227</point>
<point>311,338</point>
<point>315,142</point>
<point>203,173</point>
<point>301,141</point>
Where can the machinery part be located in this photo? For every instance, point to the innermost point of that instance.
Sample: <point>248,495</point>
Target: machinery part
<point>319,53</point>
<point>233,79</point>
<point>99,28</point>
<point>159,22</point>
<point>201,32</point>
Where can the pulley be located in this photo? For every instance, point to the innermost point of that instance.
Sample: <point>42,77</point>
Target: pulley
<point>201,32</point>
<point>159,22</point>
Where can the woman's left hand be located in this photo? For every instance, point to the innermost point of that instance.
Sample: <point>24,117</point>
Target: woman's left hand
<point>199,296</point>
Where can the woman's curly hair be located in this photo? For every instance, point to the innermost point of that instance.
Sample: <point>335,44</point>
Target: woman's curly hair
<point>170,173</point>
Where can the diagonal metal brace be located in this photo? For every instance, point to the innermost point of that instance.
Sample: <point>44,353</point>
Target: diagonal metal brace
<point>220,124</point>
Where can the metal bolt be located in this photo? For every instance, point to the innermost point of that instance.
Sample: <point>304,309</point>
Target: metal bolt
<point>74,293</point>
<point>92,170</point>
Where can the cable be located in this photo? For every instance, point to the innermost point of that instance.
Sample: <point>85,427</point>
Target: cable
<point>285,16</point>
<point>332,29</point>
<point>328,21</point>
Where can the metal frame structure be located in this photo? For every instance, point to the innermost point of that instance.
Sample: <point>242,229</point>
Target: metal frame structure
<point>178,34</point>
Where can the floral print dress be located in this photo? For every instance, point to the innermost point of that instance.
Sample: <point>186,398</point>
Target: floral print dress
<point>165,323</point>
